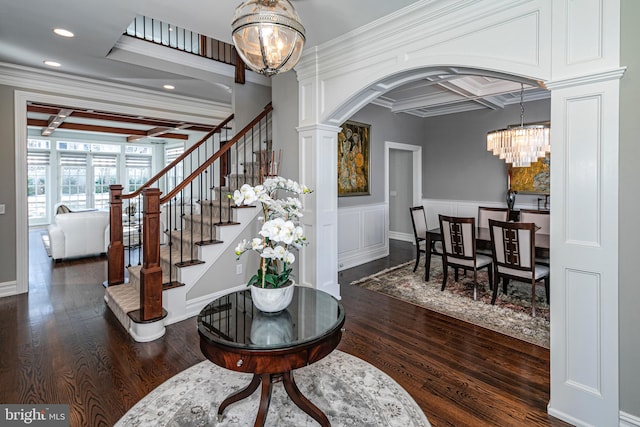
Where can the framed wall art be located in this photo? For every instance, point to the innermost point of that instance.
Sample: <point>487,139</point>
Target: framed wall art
<point>353,159</point>
<point>534,179</point>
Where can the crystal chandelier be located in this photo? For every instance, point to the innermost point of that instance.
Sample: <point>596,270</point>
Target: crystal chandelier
<point>520,145</point>
<point>268,35</point>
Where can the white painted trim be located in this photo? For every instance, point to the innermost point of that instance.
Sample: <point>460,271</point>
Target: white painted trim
<point>147,332</point>
<point>173,56</point>
<point>405,237</point>
<point>22,211</point>
<point>7,289</point>
<point>195,305</point>
<point>363,227</point>
<point>130,99</point>
<point>416,172</point>
<point>416,158</point>
<point>628,420</point>
<point>137,102</point>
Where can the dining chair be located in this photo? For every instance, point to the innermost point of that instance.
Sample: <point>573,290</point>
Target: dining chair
<point>540,218</point>
<point>513,245</point>
<point>486,213</point>
<point>459,249</point>
<point>419,221</point>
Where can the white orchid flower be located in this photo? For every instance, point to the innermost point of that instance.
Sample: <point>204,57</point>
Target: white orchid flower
<point>289,258</point>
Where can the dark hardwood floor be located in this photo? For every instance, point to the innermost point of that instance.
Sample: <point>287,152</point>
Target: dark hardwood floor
<point>60,344</point>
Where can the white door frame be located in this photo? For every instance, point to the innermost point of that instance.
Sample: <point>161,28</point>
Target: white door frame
<point>416,172</point>
<point>85,93</point>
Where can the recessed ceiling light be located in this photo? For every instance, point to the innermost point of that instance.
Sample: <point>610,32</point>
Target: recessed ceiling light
<point>169,87</point>
<point>52,63</point>
<point>62,32</point>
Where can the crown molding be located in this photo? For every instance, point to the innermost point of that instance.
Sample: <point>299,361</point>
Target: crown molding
<point>603,76</point>
<point>75,86</point>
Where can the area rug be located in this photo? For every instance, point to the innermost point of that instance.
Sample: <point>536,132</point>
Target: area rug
<point>510,316</point>
<point>347,389</point>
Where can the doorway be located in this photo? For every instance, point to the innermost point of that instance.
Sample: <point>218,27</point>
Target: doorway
<point>403,187</point>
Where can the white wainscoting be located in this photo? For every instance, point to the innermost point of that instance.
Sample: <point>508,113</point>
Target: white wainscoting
<point>363,234</point>
<point>435,207</point>
<point>363,231</point>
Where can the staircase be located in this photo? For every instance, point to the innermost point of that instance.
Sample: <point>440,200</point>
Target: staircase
<point>183,233</point>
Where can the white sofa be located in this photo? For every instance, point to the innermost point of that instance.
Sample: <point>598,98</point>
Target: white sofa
<point>78,234</point>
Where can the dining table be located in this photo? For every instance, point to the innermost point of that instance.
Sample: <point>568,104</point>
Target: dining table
<point>483,240</point>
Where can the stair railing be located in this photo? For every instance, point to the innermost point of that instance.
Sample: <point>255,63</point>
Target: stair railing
<point>126,231</point>
<point>187,215</point>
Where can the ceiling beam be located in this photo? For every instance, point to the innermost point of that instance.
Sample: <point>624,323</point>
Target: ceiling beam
<point>55,121</point>
<point>104,129</point>
<point>114,117</point>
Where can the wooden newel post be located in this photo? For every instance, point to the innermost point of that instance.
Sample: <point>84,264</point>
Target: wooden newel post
<point>151,273</point>
<point>115,260</point>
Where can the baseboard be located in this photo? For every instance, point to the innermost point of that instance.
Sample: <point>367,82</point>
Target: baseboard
<point>195,305</point>
<point>405,237</point>
<point>362,257</point>
<point>628,420</point>
<point>8,289</point>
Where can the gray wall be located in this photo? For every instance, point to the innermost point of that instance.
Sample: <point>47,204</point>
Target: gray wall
<point>456,163</point>
<point>385,126</point>
<point>248,101</point>
<point>8,187</point>
<point>629,231</point>
<point>400,191</point>
<point>285,121</point>
<point>222,274</point>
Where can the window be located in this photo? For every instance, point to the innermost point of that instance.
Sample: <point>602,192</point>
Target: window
<point>138,171</point>
<point>73,180</point>
<point>104,174</point>
<point>37,173</point>
<point>176,174</point>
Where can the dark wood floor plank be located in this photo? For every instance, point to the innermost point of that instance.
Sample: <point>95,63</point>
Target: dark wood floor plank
<point>60,344</point>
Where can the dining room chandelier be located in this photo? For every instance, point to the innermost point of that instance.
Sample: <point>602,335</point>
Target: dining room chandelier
<point>268,35</point>
<point>521,144</point>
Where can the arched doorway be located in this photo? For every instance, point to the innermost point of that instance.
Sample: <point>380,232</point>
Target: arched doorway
<point>502,40</point>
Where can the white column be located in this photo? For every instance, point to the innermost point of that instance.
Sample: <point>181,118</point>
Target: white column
<point>319,171</point>
<point>584,251</point>
<point>584,211</point>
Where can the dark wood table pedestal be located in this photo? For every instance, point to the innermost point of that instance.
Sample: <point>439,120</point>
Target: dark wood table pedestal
<point>267,381</point>
<point>234,335</point>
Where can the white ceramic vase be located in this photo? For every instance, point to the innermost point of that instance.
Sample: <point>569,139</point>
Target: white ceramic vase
<point>272,300</point>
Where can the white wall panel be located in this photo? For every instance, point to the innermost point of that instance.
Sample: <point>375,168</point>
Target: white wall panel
<point>584,21</point>
<point>349,230</point>
<point>373,232</point>
<point>582,215</point>
<point>362,234</point>
<point>583,313</point>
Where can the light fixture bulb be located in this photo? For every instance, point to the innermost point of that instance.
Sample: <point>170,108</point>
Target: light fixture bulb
<point>52,63</point>
<point>63,33</point>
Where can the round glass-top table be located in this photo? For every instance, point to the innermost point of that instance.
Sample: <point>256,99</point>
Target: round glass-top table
<point>237,336</point>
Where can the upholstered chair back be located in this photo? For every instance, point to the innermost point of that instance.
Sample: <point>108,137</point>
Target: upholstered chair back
<point>486,213</point>
<point>513,246</point>
<point>419,221</point>
<point>458,238</point>
<point>540,218</point>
